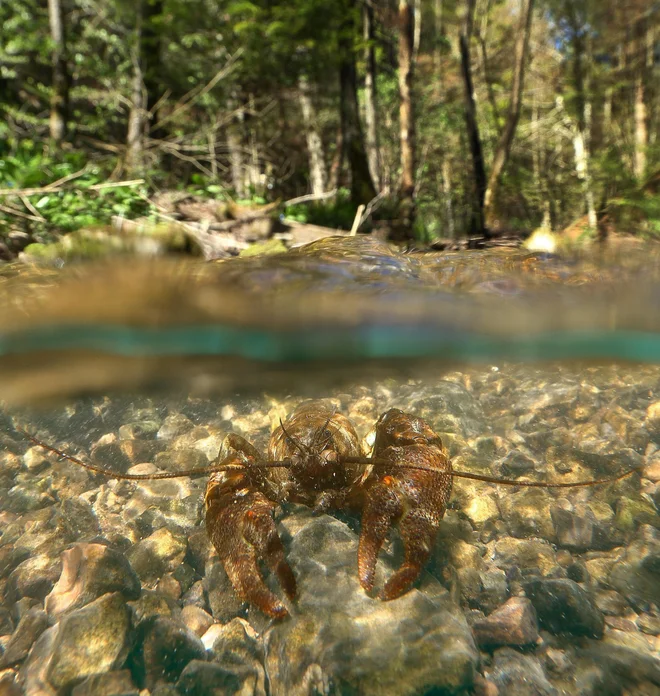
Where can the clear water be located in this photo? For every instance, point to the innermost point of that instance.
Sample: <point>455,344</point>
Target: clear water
<point>529,368</point>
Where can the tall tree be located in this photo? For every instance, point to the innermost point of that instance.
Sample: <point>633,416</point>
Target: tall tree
<point>503,149</point>
<point>317,175</point>
<point>477,225</point>
<point>370,105</point>
<point>59,100</point>
<point>406,119</point>
<point>362,186</point>
<point>145,83</point>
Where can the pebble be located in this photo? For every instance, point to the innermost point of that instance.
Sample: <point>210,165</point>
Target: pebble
<point>163,649</point>
<point>113,683</point>
<point>196,619</point>
<point>90,640</point>
<point>514,623</point>
<point>159,553</point>
<point>519,675</point>
<point>563,606</point>
<point>32,624</point>
<point>88,572</point>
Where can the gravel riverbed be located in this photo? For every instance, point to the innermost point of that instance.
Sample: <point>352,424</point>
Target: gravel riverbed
<point>111,587</point>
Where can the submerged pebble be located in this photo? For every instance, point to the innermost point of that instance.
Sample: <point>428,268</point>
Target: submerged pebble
<point>557,589</point>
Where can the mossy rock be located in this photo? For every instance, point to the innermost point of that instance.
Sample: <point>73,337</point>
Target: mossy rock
<point>266,248</point>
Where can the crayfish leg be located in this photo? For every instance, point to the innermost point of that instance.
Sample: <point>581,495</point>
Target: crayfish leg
<point>240,525</point>
<point>416,499</point>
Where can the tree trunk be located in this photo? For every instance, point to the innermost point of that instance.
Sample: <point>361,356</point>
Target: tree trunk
<point>370,109</point>
<point>362,187</point>
<point>417,30</point>
<point>59,101</point>
<point>406,120</point>
<point>145,83</point>
<point>234,135</point>
<point>479,171</point>
<point>314,142</point>
<point>446,191</point>
<point>136,117</point>
<point>150,49</point>
<point>641,116</point>
<point>437,53</point>
<point>506,139</point>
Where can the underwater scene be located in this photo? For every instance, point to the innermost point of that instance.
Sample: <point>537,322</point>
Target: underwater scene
<point>340,470</point>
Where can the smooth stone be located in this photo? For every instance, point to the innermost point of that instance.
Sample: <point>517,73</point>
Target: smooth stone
<point>88,572</point>
<point>222,599</point>
<point>562,606</point>
<point>637,577</point>
<point>174,425</point>
<point>163,648</point>
<point>142,430</point>
<point>79,518</point>
<point>209,679</point>
<point>579,529</point>
<point>611,669</point>
<point>196,619</point>
<point>159,553</point>
<point>90,640</point>
<point>527,513</point>
<point>338,634</point>
<point>237,648</point>
<point>34,671</point>
<point>31,626</point>
<point>519,675</point>
<point>181,460</point>
<point>508,552</point>
<point>115,683</point>
<point>514,623</point>
<point>34,577</point>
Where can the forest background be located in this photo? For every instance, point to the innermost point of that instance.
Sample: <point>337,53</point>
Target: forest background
<point>447,118</point>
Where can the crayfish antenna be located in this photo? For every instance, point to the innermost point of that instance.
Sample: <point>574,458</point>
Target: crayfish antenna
<point>197,471</point>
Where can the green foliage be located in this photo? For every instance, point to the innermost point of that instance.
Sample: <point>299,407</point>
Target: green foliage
<point>339,213</point>
<point>77,204</point>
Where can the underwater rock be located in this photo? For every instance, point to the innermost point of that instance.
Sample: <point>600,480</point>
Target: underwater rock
<point>31,626</point>
<point>153,604</point>
<point>114,683</point>
<point>88,572</point>
<point>337,634</point>
<point>90,640</point>
<point>611,670</point>
<point>236,649</point>
<point>163,648</point>
<point>159,553</point>
<point>578,528</point>
<point>527,554</point>
<point>514,623</point>
<point>178,460</point>
<point>196,619</point>
<point>563,606</point>
<point>222,599</point>
<point>527,513</point>
<point>450,408</point>
<point>174,425</point>
<point>34,577</point>
<point>519,675</point>
<point>638,576</point>
<point>79,519</point>
<point>34,671</point>
<point>209,679</point>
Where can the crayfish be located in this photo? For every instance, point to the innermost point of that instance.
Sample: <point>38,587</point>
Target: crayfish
<point>314,458</point>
